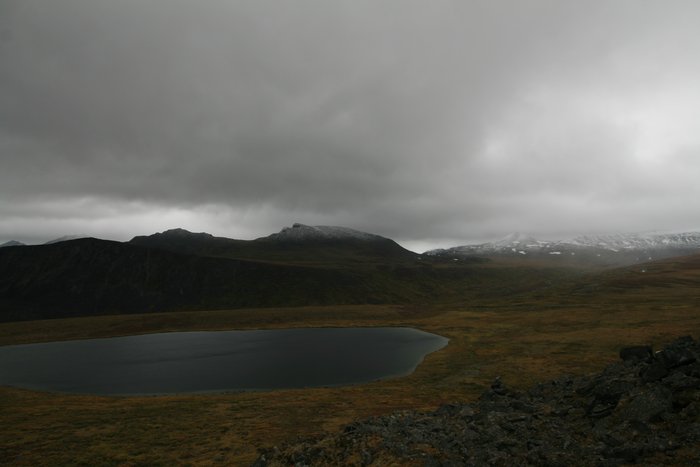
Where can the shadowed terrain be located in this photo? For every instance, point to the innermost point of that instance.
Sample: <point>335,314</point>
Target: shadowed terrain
<point>178,270</point>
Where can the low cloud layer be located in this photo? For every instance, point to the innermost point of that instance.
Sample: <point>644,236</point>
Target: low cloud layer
<point>434,123</point>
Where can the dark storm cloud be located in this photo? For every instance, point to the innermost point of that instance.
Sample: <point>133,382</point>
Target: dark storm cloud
<point>425,121</point>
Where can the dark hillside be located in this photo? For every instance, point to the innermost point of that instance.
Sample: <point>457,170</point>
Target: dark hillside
<point>682,273</point>
<point>90,276</point>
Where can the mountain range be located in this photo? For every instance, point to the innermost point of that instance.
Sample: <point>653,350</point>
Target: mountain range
<point>299,244</point>
<point>604,250</point>
<point>181,270</point>
<point>298,266</point>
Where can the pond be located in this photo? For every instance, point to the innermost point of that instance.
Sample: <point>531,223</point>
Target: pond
<point>187,362</point>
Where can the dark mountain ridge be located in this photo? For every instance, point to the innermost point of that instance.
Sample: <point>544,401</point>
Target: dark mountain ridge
<point>300,266</point>
<point>299,244</point>
<point>11,243</point>
<point>184,241</point>
<point>181,270</point>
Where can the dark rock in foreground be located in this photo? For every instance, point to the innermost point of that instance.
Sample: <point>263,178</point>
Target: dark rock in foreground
<point>643,409</point>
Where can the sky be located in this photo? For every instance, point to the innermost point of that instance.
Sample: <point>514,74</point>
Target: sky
<point>433,123</point>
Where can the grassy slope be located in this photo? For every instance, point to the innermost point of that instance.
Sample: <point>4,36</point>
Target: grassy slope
<point>572,326</point>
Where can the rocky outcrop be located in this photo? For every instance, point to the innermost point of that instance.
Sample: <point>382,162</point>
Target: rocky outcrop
<point>643,409</point>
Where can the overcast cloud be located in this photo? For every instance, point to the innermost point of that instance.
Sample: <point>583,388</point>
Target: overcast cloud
<point>434,123</point>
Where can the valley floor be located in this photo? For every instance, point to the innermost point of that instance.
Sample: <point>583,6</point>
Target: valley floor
<point>522,341</point>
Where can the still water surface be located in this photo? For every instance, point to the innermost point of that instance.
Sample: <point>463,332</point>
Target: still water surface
<point>181,362</point>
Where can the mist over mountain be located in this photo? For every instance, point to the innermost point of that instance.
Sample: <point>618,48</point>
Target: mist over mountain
<point>299,265</point>
<point>617,249</point>
<point>11,243</point>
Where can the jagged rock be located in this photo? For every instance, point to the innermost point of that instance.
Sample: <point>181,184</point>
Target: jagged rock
<point>647,404</point>
<point>632,410</point>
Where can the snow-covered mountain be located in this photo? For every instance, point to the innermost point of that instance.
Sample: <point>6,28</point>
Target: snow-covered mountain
<point>515,243</point>
<point>301,232</point>
<point>617,242</point>
<point>608,249</point>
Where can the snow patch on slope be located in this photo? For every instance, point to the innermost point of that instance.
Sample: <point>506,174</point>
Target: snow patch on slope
<point>614,243</point>
<point>617,242</point>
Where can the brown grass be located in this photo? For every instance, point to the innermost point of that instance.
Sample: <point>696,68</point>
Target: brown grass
<point>523,341</point>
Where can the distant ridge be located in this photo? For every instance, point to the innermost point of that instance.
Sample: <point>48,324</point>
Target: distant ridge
<point>181,270</point>
<point>300,232</point>
<point>615,249</point>
<point>182,233</point>
<point>65,238</point>
<point>617,242</point>
<point>298,244</point>
<point>12,243</point>
<point>196,243</point>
